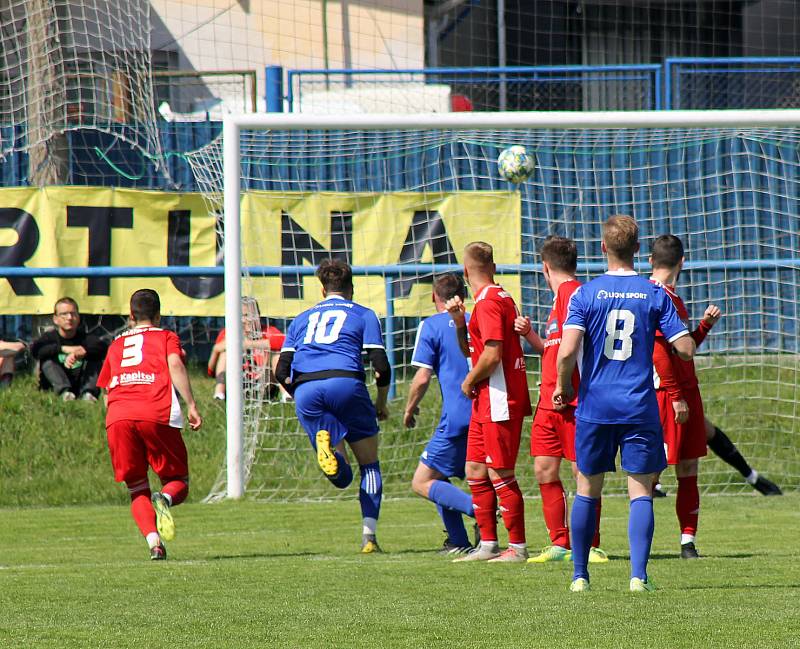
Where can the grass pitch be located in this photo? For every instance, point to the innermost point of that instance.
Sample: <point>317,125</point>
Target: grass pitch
<point>276,575</point>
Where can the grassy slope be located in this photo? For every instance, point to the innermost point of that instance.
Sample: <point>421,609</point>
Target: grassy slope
<point>54,453</point>
<point>254,575</point>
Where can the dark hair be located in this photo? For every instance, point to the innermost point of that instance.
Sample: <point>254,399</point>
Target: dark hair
<point>560,253</point>
<point>667,251</point>
<point>65,300</point>
<point>145,304</point>
<point>621,235</point>
<point>335,275</point>
<point>449,285</point>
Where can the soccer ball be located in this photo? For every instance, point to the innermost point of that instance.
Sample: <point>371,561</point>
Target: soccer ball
<point>514,164</point>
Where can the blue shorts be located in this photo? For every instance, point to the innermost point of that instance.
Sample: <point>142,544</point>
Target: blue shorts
<point>339,405</point>
<point>447,455</point>
<point>641,447</point>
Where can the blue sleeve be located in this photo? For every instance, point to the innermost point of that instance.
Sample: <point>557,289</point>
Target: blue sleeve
<point>424,348</point>
<point>576,311</point>
<point>373,337</point>
<point>669,322</point>
<point>290,343</point>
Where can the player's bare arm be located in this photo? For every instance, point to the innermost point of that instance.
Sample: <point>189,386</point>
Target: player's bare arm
<point>180,379</point>
<point>681,409</point>
<point>10,348</point>
<point>419,386</point>
<point>490,358</point>
<point>457,310</point>
<point>522,326</point>
<point>684,347</point>
<point>571,340</point>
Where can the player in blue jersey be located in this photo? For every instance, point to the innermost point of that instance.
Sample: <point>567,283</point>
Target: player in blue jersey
<point>436,351</point>
<point>321,365</point>
<point>612,321</point>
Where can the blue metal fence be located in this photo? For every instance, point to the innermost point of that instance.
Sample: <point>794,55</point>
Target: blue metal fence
<point>728,83</point>
<point>568,87</point>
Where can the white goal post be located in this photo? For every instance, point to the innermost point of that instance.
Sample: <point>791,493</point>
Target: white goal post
<point>527,121</point>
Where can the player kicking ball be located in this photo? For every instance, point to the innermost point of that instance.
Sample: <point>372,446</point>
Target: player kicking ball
<point>498,386</point>
<point>143,369</point>
<point>320,364</point>
<point>436,351</point>
<point>553,431</point>
<point>613,320</point>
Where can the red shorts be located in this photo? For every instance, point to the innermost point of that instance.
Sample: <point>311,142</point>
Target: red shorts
<point>494,443</point>
<point>136,444</point>
<point>553,433</point>
<point>683,441</point>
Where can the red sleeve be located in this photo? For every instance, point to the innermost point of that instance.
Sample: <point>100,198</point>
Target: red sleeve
<point>662,360</point>
<point>174,345</point>
<point>220,336</point>
<point>105,375</point>
<point>490,320</point>
<point>701,332</point>
<point>275,338</point>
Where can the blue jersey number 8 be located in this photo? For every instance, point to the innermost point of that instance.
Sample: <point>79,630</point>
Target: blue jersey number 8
<point>317,329</point>
<point>623,335</point>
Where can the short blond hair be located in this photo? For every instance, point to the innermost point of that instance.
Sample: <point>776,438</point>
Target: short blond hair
<point>480,252</point>
<point>621,235</point>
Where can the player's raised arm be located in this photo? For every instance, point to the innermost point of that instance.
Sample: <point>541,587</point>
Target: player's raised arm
<point>710,318</point>
<point>180,379</point>
<point>571,341</point>
<point>457,310</point>
<point>522,326</point>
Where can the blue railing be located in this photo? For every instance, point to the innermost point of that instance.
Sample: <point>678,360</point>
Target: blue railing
<point>566,87</point>
<point>702,83</point>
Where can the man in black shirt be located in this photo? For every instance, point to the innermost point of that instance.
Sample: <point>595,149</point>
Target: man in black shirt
<point>69,358</point>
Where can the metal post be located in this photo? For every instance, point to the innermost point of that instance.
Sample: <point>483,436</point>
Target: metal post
<point>501,51</point>
<point>389,334</point>
<point>233,310</point>
<point>274,91</point>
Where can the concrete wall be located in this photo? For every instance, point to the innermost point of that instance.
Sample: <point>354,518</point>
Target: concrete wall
<point>251,34</point>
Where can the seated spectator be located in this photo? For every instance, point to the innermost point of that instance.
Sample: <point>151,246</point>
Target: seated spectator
<point>69,358</point>
<point>8,354</point>
<point>264,355</point>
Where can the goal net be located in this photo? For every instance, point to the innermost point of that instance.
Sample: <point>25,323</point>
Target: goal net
<point>399,197</point>
<point>73,68</point>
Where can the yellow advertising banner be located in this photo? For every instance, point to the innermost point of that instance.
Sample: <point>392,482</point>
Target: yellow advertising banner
<point>95,227</point>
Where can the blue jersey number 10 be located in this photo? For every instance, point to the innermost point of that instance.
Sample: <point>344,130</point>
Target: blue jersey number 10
<point>318,323</point>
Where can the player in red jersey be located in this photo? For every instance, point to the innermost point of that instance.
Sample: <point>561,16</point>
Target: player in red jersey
<point>679,402</point>
<point>142,370</point>
<point>261,359</point>
<point>499,388</point>
<point>553,431</point>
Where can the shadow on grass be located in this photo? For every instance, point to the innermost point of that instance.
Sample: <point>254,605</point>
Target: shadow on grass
<point>662,557</point>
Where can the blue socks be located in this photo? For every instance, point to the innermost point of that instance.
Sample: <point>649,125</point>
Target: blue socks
<point>451,503</point>
<point>370,490</point>
<point>450,497</point>
<point>345,475</point>
<point>641,524</point>
<point>582,528</point>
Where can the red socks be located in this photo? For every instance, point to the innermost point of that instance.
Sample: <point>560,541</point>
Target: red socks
<point>177,490</point>
<point>484,504</point>
<point>143,512</point>
<point>554,508</point>
<point>687,504</point>
<point>512,507</point>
